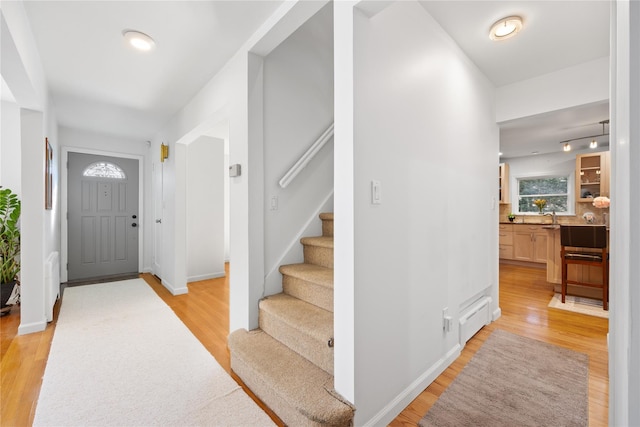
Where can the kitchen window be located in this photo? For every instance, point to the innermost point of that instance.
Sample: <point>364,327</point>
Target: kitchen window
<point>553,189</point>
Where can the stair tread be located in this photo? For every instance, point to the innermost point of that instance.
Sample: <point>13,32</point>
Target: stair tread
<point>293,378</point>
<point>327,216</point>
<point>321,241</point>
<point>310,272</point>
<point>303,316</point>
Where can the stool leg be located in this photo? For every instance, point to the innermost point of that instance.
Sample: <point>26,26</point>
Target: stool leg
<point>605,285</point>
<point>564,279</point>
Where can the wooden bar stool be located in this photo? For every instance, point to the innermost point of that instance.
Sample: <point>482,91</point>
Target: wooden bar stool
<point>585,245</point>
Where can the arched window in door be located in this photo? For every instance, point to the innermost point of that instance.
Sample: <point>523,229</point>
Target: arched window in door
<point>104,170</point>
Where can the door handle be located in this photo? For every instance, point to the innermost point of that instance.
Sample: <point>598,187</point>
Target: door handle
<point>134,225</point>
<point>158,221</point>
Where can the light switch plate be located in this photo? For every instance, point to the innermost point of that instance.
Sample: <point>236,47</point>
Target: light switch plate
<point>376,192</point>
<point>235,170</point>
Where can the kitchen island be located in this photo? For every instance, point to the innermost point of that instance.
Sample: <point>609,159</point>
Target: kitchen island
<point>582,273</point>
<point>538,245</point>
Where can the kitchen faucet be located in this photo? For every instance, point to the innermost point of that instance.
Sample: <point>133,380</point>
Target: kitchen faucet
<point>554,219</point>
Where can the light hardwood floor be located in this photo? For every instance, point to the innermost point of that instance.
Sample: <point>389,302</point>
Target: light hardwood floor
<point>524,295</point>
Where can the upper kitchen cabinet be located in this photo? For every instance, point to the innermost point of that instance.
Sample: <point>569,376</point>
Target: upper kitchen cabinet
<point>503,183</point>
<point>592,176</point>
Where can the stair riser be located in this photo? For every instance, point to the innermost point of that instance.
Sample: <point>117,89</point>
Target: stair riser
<point>314,350</point>
<point>319,256</point>
<point>327,227</point>
<point>319,296</point>
<point>252,379</point>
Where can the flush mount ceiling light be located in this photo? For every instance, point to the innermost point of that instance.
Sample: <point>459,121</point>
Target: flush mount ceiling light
<point>505,28</point>
<point>138,40</point>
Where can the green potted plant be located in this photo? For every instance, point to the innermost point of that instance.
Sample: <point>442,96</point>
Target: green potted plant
<point>511,216</point>
<point>9,244</point>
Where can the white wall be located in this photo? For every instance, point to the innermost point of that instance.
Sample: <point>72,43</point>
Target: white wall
<point>424,126</point>
<point>582,84</point>
<point>205,208</point>
<point>298,108</point>
<point>227,235</point>
<point>10,157</point>
<point>40,231</point>
<point>226,97</point>
<point>624,324</point>
<point>343,252</point>
<point>78,140</point>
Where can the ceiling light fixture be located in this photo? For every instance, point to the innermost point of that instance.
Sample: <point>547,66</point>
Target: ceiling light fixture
<point>594,142</point>
<point>139,40</point>
<point>505,28</point>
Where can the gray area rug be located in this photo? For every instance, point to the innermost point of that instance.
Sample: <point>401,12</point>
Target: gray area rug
<point>516,381</point>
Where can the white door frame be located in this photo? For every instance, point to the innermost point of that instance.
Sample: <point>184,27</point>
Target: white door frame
<point>64,237</point>
<point>157,189</point>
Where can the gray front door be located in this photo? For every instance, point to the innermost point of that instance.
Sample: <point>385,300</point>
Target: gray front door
<point>103,217</point>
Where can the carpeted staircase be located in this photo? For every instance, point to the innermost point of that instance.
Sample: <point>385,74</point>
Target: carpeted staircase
<point>288,361</point>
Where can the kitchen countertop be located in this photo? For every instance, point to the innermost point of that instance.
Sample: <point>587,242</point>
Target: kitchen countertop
<point>526,223</point>
<point>550,226</point>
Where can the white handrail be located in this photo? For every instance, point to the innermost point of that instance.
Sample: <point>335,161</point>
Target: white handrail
<point>306,157</point>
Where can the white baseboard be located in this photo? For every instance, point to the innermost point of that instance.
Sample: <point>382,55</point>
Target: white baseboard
<point>179,291</point>
<point>205,277</point>
<point>402,400</point>
<point>30,328</point>
<point>174,291</point>
<point>496,314</point>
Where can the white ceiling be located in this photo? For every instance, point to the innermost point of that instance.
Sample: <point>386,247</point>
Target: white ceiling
<point>99,84</point>
<point>555,35</point>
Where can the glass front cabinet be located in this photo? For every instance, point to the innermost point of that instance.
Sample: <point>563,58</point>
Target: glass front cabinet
<point>592,176</point>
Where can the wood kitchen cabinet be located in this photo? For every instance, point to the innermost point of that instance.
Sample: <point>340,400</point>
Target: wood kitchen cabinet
<point>592,176</point>
<point>505,241</point>
<point>503,183</point>
<point>529,243</point>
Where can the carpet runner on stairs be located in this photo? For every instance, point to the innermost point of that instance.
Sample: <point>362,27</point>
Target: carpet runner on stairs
<point>288,361</point>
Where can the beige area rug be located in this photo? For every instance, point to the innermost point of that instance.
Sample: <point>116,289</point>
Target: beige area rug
<point>591,307</point>
<point>121,357</point>
<point>516,381</point>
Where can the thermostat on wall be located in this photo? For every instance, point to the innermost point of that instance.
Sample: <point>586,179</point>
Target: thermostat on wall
<point>234,170</point>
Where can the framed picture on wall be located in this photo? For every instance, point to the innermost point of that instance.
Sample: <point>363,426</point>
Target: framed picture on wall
<point>48,175</point>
